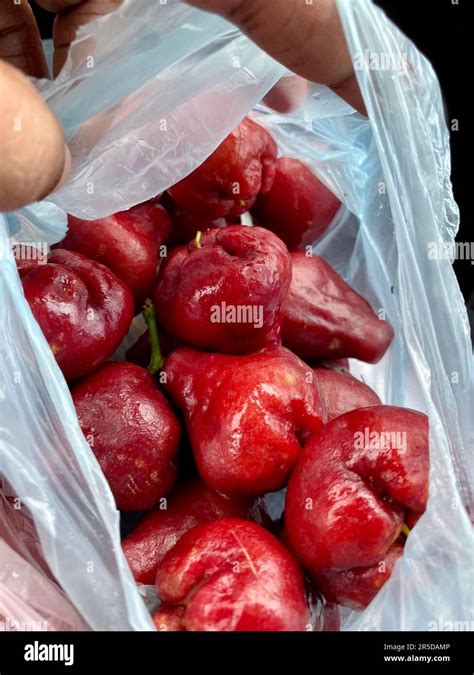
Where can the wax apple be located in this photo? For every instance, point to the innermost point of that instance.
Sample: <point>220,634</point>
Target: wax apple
<point>187,224</point>
<point>132,431</point>
<point>228,182</point>
<point>357,587</point>
<point>324,318</point>
<point>83,309</point>
<point>247,416</point>
<point>169,619</point>
<point>191,504</point>
<point>127,242</point>
<point>340,392</point>
<point>299,207</point>
<point>232,575</point>
<point>356,483</point>
<point>224,292</point>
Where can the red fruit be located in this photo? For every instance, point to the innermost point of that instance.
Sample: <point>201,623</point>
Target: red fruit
<point>232,575</point>
<point>353,486</point>
<point>128,243</point>
<point>340,392</point>
<point>225,293</point>
<point>190,505</point>
<point>169,619</point>
<point>82,308</point>
<point>298,208</point>
<point>357,587</point>
<point>411,519</point>
<point>324,318</point>
<point>228,182</point>
<point>186,224</point>
<point>132,431</point>
<point>247,416</point>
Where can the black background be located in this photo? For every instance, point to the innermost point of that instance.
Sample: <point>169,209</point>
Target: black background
<point>439,28</point>
<point>323,652</point>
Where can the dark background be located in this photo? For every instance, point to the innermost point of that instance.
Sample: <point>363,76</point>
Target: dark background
<point>439,28</point>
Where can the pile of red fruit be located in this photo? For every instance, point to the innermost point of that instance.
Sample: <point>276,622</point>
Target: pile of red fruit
<point>253,395</point>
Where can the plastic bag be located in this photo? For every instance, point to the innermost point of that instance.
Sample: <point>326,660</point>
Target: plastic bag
<point>146,95</point>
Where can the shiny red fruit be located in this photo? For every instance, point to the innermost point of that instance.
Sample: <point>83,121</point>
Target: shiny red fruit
<point>127,242</point>
<point>353,487</point>
<point>340,392</point>
<point>247,416</point>
<point>232,575</point>
<point>224,293</point>
<point>189,505</point>
<point>132,431</point>
<point>298,208</point>
<point>324,318</point>
<point>82,308</point>
<point>357,587</point>
<point>169,619</point>
<point>228,182</point>
<point>186,224</point>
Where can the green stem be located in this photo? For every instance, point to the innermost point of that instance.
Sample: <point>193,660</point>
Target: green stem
<point>405,529</point>
<point>157,360</point>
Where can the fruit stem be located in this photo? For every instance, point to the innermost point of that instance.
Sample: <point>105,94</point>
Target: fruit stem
<point>405,529</point>
<point>197,241</point>
<point>157,360</point>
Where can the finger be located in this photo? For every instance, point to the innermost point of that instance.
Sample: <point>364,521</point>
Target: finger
<point>71,16</point>
<point>288,94</point>
<point>20,42</point>
<point>32,146</point>
<point>307,38</point>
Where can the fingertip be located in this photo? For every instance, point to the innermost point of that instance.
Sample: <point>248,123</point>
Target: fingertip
<point>31,142</point>
<point>287,95</point>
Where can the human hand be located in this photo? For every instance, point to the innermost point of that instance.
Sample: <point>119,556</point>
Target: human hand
<point>306,37</point>
<point>35,159</point>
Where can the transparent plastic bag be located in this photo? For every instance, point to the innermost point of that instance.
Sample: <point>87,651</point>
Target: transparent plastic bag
<point>146,95</point>
<point>30,600</point>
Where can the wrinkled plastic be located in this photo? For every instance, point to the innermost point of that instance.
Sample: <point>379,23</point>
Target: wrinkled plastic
<point>145,97</point>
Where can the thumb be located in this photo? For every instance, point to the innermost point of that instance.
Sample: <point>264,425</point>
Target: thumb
<point>32,150</point>
<point>306,38</point>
